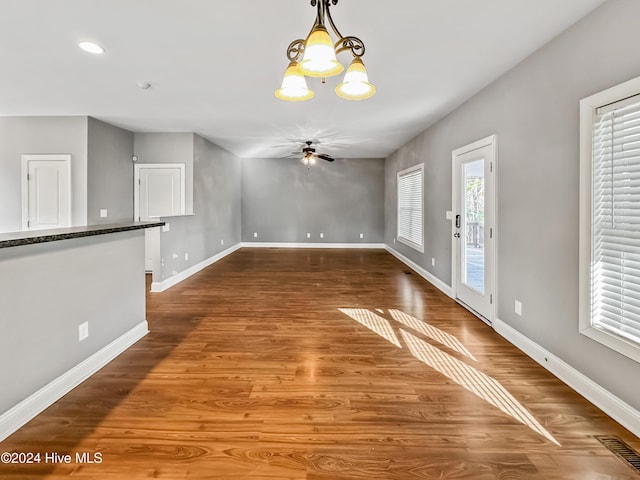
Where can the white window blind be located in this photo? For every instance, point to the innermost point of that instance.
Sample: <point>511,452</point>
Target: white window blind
<point>410,207</point>
<point>615,265</point>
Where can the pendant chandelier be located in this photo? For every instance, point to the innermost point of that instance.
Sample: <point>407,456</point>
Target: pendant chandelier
<point>317,57</point>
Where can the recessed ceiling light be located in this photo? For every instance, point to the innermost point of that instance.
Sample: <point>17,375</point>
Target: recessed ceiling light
<point>91,47</point>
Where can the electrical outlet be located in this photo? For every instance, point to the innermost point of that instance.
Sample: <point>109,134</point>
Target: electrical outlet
<point>322,235</point>
<point>362,235</point>
<point>308,235</point>
<point>221,242</point>
<point>104,213</point>
<point>394,240</point>
<point>186,257</point>
<point>83,331</point>
<point>166,227</point>
<point>255,234</point>
<point>433,262</point>
<point>518,307</point>
<point>174,256</point>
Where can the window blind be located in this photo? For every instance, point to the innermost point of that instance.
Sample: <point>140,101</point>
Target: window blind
<point>615,271</point>
<point>410,207</point>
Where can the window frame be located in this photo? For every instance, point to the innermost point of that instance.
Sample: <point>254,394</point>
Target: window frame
<point>588,111</point>
<point>399,175</point>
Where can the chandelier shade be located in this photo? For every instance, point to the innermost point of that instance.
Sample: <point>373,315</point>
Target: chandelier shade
<point>294,86</point>
<point>316,56</point>
<point>319,59</point>
<point>356,84</point>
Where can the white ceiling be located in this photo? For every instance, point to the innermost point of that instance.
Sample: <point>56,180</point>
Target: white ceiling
<point>214,65</point>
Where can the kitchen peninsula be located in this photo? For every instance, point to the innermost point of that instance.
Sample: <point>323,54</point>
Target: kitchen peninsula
<point>71,300</point>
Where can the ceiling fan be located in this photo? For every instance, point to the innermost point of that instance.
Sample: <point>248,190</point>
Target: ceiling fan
<point>309,155</point>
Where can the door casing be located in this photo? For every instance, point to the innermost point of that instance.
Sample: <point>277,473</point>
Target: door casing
<point>490,288</point>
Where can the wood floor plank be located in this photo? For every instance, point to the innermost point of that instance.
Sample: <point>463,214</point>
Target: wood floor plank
<point>317,365</point>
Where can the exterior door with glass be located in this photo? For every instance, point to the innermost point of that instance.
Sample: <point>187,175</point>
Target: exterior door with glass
<point>473,243</point>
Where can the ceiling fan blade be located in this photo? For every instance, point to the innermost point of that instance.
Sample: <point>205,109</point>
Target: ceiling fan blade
<point>326,157</point>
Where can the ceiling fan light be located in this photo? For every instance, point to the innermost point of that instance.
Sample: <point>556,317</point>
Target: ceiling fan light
<point>294,86</point>
<point>319,58</point>
<point>308,160</point>
<point>356,84</point>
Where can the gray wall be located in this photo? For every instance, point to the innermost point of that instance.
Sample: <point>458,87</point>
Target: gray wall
<point>217,211</point>
<point>49,289</point>
<point>534,110</point>
<point>282,200</point>
<point>109,172</point>
<point>168,148</point>
<point>40,135</point>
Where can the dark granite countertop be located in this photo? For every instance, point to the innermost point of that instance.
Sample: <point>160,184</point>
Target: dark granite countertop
<point>29,237</point>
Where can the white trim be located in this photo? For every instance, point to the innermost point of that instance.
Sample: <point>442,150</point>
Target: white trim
<point>136,185</point>
<point>25,159</point>
<point>157,287</point>
<point>588,107</point>
<point>429,277</point>
<point>17,416</point>
<point>490,141</point>
<point>613,406</point>
<point>311,245</point>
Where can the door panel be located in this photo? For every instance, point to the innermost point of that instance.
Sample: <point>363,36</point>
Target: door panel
<point>48,203</point>
<point>161,192</point>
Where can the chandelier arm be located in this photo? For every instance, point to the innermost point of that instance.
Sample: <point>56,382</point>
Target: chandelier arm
<point>295,50</point>
<point>350,43</point>
<point>330,18</point>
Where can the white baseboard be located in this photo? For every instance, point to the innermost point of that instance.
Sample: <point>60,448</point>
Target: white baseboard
<point>17,416</point>
<point>432,279</point>
<point>157,287</point>
<point>311,245</point>
<point>613,406</point>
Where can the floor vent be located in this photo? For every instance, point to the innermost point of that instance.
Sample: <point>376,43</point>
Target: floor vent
<point>621,450</point>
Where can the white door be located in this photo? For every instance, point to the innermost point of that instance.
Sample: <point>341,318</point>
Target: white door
<point>159,190</point>
<point>473,243</point>
<point>46,191</point>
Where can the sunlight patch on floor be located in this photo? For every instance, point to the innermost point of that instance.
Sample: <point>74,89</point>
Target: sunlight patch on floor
<point>432,332</point>
<point>473,380</point>
<point>373,322</point>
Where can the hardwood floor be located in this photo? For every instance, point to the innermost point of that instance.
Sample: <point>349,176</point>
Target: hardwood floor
<point>319,365</point>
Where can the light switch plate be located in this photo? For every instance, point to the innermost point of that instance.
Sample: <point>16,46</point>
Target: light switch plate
<point>83,331</point>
